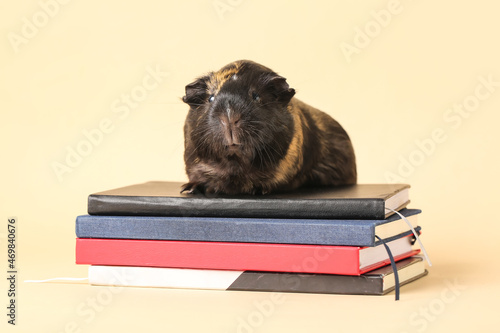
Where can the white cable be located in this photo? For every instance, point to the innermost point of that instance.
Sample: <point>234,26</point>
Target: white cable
<point>415,233</point>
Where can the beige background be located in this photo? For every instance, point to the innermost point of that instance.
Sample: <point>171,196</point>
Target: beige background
<point>394,73</point>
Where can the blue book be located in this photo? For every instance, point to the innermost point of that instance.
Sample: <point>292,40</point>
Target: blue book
<point>251,230</point>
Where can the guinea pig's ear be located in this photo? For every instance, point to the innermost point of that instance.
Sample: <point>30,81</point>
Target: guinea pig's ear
<point>196,92</point>
<point>279,88</point>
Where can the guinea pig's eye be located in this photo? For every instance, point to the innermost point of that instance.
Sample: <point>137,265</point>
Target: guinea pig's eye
<point>255,96</point>
<point>211,98</point>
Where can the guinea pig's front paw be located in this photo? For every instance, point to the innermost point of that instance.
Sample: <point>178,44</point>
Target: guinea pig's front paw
<point>191,188</point>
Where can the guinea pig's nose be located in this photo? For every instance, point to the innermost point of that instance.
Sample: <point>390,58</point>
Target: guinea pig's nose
<point>230,121</point>
<point>232,116</point>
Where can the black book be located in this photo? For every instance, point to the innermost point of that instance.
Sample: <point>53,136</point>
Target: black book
<point>361,201</point>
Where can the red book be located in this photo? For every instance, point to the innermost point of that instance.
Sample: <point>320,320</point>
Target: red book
<point>321,259</point>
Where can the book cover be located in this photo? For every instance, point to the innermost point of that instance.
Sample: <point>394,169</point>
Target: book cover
<point>361,201</point>
<point>347,260</point>
<point>247,230</point>
<point>377,282</point>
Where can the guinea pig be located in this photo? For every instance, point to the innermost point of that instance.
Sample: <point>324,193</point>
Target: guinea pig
<point>246,133</point>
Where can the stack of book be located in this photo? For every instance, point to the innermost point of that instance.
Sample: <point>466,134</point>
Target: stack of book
<point>313,240</point>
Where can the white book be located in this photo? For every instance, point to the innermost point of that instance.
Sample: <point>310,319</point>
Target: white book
<point>376,282</point>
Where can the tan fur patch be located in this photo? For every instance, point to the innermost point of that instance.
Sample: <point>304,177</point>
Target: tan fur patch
<point>293,159</point>
<point>320,119</point>
<point>217,79</point>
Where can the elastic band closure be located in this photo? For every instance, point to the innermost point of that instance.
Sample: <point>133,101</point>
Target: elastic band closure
<point>394,268</point>
<point>414,233</point>
<point>56,279</point>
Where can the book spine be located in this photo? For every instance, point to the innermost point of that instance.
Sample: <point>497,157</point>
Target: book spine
<point>220,256</point>
<point>225,230</point>
<point>235,280</point>
<point>238,208</point>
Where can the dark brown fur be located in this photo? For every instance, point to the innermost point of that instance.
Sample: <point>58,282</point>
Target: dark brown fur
<point>246,133</point>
